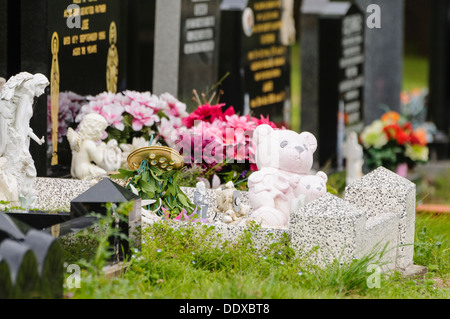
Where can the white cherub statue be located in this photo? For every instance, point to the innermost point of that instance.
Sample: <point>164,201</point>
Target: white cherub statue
<point>16,109</point>
<point>86,154</point>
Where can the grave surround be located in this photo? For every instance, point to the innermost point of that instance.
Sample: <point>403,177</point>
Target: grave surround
<point>378,211</point>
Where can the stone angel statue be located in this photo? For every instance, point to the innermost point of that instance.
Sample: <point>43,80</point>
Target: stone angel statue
<point>91,159</point>
<point>16,109</point>
<point>86,154</point>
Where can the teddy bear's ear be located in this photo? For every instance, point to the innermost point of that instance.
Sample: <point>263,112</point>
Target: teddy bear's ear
<point>261,132</point>
<point>310,139</point>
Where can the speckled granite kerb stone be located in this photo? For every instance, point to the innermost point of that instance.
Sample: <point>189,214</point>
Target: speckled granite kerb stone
<point>262,238</point>
<point>384,192</point>
<point>331,224</point>
<point>55,194</point>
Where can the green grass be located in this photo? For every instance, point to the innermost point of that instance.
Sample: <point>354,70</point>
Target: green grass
<point>196,264</point>
<point>434,190</point>
<point>415,72</point>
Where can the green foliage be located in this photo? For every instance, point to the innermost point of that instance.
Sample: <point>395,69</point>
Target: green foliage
<point>336,183</point>
<point>152,182</point>
<point>387,156</point>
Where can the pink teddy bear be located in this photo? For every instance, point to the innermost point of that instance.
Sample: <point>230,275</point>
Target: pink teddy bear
<point>283,158</point>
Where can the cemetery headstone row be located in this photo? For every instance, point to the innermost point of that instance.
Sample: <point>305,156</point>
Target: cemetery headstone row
<point>114,45</point>
<point>351,70</point>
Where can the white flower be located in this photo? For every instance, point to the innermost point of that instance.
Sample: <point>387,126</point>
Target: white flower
<point>417,152</point>
<point>373,135</point>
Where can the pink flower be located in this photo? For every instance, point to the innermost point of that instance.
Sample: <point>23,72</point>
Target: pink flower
<point>113,115</point>
<point>263,120</point>
<point>142,115</point>
<point>139,97</point>
<point>241,122</point>
<point>168,131</point>
<point>208,113</point>
<point>174,107</point>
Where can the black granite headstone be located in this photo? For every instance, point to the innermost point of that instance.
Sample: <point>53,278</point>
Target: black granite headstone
<point>256,60</point>
<point>341,78</point>
<point>439,80</point>
<point>80,49</point>
<point>186,47</point>
<point>3,38</point>
<point>383,58</point>
<point>9,38</point>
<point>141,38</point>
<point>309,47</point>
<point>95,200</point>
<point>40,220</point>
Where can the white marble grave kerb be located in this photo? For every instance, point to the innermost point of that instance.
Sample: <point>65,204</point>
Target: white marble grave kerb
<point>378,210</point>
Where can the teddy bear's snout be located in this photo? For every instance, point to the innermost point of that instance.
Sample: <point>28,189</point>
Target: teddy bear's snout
<point>300,149</point>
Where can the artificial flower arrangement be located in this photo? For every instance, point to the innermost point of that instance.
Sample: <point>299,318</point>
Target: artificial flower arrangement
<point>220,142</point>
<point>392,141</point>
<point>134,114</point>
<point>213,139</point>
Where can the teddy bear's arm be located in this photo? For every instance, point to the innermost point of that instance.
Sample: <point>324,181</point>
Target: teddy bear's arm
<point>260,181</point>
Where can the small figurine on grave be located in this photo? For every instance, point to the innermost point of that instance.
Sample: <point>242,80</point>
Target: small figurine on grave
<point>229,205</point>
<point>354,155</point>
<point>86,154</point>
<point>16,109</point>
<point>200,199</point>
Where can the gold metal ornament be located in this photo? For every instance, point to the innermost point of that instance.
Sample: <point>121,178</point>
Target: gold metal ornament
<point>163,157</point>
<point>112,63</point>
<point>54,96</point>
